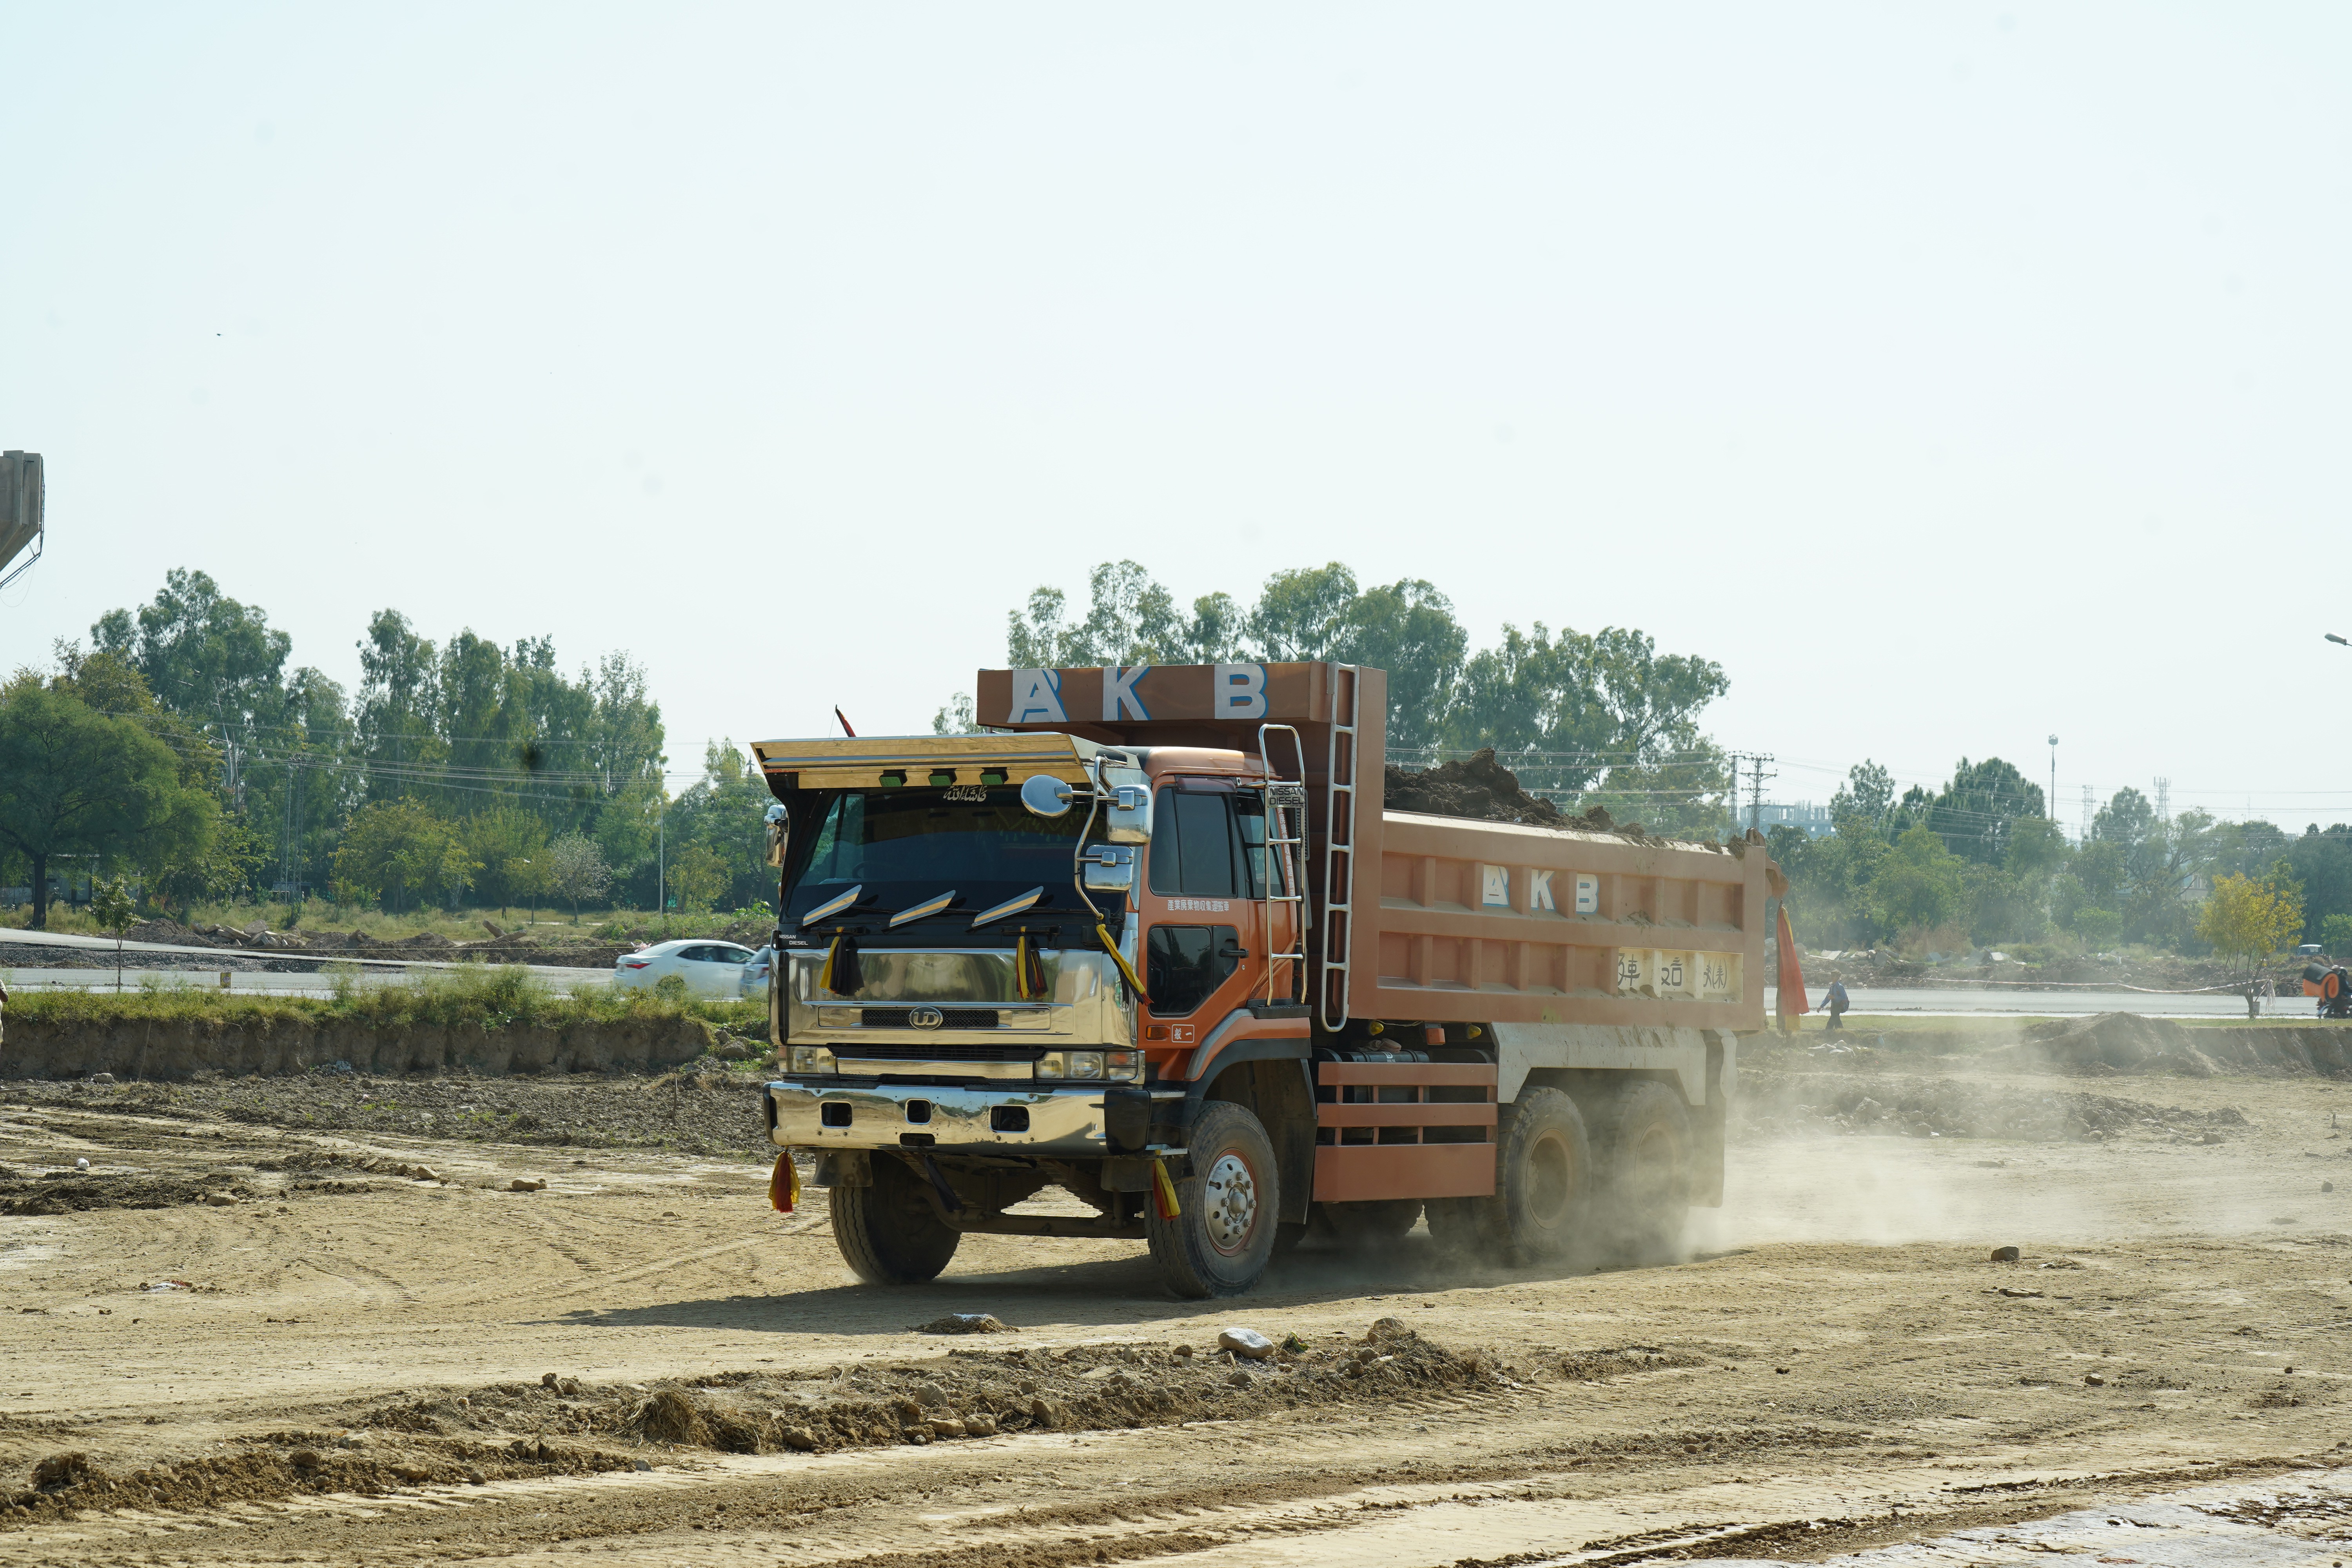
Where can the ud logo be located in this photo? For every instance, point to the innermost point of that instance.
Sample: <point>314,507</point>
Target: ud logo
<point>924,1017</point>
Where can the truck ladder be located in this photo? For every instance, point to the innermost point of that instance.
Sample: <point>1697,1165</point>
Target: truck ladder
<point>1339,847</point>
<point>1285,833</point>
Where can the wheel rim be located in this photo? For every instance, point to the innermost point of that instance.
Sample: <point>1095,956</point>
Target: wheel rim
<point>1550,1192</point>
<point>1229,1202</point>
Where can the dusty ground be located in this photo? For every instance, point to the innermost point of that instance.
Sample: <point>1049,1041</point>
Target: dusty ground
<point>343,1362</point>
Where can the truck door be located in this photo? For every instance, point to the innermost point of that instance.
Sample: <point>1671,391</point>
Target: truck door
<point>1204,926</point>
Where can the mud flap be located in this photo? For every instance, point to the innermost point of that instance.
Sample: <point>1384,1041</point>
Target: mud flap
<point>784,1184</point>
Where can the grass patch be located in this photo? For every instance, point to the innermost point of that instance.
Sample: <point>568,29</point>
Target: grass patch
<point>492,997</point>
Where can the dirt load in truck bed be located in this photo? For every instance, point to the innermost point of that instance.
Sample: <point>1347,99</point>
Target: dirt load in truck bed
<point>1484,790</point>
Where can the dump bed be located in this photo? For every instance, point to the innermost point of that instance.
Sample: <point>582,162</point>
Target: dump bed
<point>1437,917</point>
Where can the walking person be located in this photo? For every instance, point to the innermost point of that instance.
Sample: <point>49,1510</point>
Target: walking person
<point>1836,1002</point>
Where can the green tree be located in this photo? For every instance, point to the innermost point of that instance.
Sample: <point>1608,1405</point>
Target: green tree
<point>1918,887</point>
<point>2035,851</point>
<point>697,878</point>
<point>2323,864</point>
<point>400,851</point>
<point>197,871</point>
<point>2098,928</point>
<point>1975,810</point>
<point>75,781</point>
<point>2248,922</point>
<point>499,841</point>
<point>2335,936</point>
<point>111,906</point>
<point>576,871</point>
<point>204,655</point>
<point>2125,819</point>
<point>1867,797</point>
<point>2100,868</point>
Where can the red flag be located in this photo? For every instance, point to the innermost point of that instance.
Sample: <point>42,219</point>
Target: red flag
<point>1793,974</point>
<point>844,724</point>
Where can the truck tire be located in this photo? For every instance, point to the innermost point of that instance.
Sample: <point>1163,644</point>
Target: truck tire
<point>1230,1207</point>
<point>1543,1181</point>
<point>1642,1133</point>
<point>888,1233</point>
<point>1380,1221</point>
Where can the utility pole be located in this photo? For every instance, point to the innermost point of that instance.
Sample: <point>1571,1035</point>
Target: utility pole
<point>2086,813</point>
<point>2054,780</point>
<point>1756,777</point>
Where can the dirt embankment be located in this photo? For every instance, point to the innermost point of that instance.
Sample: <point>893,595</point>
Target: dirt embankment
<point>239,1048</point>
<point>2101,1044</point>
<point>1771,1104</point>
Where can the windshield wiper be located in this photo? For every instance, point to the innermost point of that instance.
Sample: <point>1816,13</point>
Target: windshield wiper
<point>832,906</point>
<point>1009,907</point>
<point>928,907</point>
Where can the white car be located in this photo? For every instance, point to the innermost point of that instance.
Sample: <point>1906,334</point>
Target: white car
<point>709,968</point>
<point>756,973</point>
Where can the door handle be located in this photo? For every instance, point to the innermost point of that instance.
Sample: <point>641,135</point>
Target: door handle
<point>1232,949</point>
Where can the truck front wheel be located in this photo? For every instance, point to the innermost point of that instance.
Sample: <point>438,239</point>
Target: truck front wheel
<point>888,1233</point>
<point>1543,1178</point>
<point>1644,1138</point>
<point>1229,1207</point>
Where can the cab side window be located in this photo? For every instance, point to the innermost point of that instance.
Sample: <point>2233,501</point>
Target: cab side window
<point>1185,964</point>
<point>1195,850</point>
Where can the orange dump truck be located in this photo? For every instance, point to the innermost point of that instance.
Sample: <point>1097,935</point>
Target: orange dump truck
<point>1157,942</point>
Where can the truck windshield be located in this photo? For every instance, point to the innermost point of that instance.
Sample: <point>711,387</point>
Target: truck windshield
<point>909,843</point>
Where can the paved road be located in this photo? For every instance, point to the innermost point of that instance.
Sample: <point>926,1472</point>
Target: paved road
<point>1933,1000</point>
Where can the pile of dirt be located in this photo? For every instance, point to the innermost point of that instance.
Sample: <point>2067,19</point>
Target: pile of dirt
<point>76,1192</point>
<point>562,1425</point>
<point>706,1113</point>
<point>284,1465</point>
<point>2127,1043</point>
<point>1774,1103</point>
<point>1484,790</point>
<point>973,1394</point>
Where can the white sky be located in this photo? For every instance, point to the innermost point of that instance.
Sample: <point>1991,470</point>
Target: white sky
<point>1952,374</point>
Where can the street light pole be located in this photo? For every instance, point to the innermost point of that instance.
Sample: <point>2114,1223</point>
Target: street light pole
<point>2054,780</point>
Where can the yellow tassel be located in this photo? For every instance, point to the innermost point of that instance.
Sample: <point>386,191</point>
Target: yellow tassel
<point>1021,969</point>
<point>825,976</point>
<point>784,1184</point>
<point>1125,968</point>
<point>1163,1191</point>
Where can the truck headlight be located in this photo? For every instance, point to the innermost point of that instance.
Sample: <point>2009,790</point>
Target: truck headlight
<point>1091,1065</point>
<point>808,1060</point>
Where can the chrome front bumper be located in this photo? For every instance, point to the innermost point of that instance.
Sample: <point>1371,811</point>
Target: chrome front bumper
<point>891,1116</point>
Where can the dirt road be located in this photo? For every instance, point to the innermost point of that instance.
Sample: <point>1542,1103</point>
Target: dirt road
<point>372,1349</point>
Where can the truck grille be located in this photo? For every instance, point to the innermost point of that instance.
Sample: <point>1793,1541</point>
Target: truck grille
<point>951,1018</point>
<point>941,1051</point>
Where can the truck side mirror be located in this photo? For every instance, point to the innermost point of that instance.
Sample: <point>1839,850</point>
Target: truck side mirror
<point>1109,868</point>
<point>1045,796</point>
<point>1127,806</point>
<point>780,828</point>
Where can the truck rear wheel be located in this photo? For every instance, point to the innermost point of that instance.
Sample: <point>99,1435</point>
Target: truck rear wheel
<point>1543,1178</point>
<point>1222,1238</point>
<point>1644,1134</point>
<point>888,1233</point>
